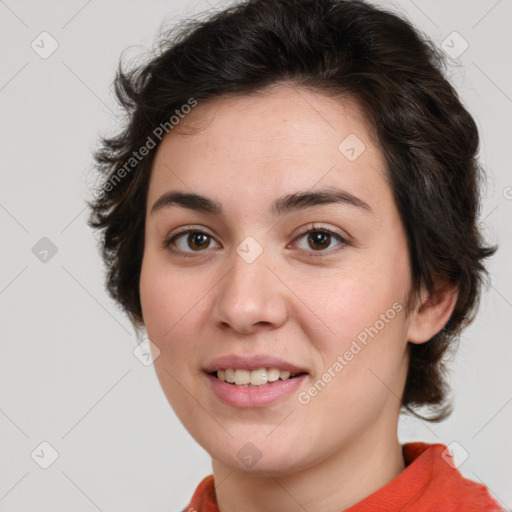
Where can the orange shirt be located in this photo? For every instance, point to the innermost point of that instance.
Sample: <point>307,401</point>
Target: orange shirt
<point>428,484</point>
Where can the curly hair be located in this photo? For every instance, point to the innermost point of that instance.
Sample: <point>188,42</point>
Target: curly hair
<point>345,48</point>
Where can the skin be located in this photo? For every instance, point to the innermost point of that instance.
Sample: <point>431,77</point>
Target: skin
<point>290,302</point>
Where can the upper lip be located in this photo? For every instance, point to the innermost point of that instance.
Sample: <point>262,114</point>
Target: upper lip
<point>252,363</point>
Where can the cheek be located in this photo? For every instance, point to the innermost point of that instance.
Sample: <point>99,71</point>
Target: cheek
<point>362,364</point>
<point>156,301</point>
<point>166,298</point>
<point>364,358</point>
<point>168,306</point>
<point>355,302</point>
<point>174,306</point>
<point>364,314</point>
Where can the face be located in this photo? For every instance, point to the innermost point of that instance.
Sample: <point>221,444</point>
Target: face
<point>257,278</point>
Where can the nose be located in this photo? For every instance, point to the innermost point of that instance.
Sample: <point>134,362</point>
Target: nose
<point>250,297</point>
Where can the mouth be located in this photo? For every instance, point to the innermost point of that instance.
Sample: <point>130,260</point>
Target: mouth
<point>253,381</point>
<point>254,378</point>
<point>253,371</point>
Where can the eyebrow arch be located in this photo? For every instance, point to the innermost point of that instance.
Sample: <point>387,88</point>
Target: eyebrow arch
<point>281,206</point>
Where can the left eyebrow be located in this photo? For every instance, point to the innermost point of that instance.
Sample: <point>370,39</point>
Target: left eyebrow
<point>281,206</point>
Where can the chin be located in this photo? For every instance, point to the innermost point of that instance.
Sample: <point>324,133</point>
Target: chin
<point>264,467</point>
<point>260,458</point>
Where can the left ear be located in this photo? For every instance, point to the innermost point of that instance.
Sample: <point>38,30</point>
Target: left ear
<point>433,313</point>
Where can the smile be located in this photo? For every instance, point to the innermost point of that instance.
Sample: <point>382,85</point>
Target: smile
<point>259,377</point>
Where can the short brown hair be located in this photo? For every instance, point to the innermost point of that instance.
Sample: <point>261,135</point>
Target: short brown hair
<point>341,47</point>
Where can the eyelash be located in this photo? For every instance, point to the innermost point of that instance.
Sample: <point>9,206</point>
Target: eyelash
<point>169,240</point>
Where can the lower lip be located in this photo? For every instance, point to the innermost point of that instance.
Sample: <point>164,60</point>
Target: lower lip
<point>254,396</point>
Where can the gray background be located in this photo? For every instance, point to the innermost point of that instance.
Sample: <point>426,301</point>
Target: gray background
<point>68,375</point>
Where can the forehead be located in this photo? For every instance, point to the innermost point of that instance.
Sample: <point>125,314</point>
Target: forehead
<point>267,144</point>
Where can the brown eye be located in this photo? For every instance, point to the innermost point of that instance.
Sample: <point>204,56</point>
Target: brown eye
<point>197,240</point>
<point>189,241</point>
<point>320,239</point>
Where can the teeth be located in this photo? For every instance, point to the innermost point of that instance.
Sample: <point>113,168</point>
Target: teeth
<point>273,374</point>
<point>242,377</point>
<point>258,377</point>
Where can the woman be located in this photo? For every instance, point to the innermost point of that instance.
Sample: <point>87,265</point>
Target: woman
<point>285,218</point>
